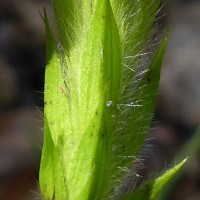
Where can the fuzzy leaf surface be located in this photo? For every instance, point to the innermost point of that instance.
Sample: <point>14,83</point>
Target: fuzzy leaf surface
<point>153,189</point>
<point>127,144</point>
<point>97,110</point>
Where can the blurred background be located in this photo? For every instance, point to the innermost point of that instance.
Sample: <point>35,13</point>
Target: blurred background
<point>22,65</point>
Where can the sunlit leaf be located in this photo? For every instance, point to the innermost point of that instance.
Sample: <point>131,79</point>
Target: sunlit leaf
<point>98,102</point>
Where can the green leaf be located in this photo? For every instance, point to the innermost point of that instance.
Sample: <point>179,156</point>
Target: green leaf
<point>190,151</point>
<point>135,20</point>
<point>51,174</point>
<point>128,142</point>
<point>77,88</point>
<point>46,167</point>
<point>153,189</point>
<point>67,18</point>
<point>97,110</point>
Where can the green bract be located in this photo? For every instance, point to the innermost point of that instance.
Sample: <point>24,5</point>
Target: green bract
<point>99,96</point>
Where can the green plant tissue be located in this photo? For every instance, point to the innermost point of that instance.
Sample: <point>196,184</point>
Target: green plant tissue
<point>99,101</point>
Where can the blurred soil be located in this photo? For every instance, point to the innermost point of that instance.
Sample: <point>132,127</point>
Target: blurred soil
<point>22,64</point>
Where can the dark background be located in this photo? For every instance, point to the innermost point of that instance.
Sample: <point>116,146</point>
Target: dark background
<point>22,64</point>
